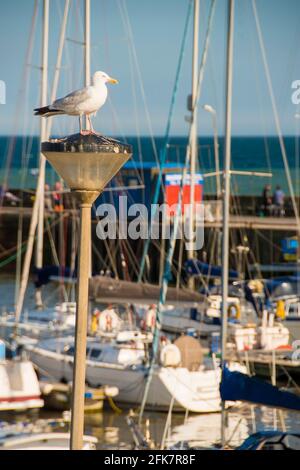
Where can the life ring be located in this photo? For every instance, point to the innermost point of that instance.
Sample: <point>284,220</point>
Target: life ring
<point>234,311</point>
<point>108,322</point>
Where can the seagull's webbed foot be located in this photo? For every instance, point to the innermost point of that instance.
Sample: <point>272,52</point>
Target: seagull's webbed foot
<point>86,132</point>
<point>98,134</point>
<point>106,140</point>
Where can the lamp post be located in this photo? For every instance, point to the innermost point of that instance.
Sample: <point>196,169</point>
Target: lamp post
<point>193,139</point>
<point>87,164</point>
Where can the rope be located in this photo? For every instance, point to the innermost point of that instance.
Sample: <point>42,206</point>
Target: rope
<point>290,378</point>
<point>23,90</point>
<point>168,423</point>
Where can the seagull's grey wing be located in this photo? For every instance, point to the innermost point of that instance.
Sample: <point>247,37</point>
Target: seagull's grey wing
<point>71,101</point>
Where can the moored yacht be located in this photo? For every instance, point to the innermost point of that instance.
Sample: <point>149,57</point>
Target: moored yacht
<point>19,386</point>
<point>124,363</point>
<point>39,324</point>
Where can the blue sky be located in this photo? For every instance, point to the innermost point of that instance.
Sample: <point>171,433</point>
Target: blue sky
<point>157,27</point>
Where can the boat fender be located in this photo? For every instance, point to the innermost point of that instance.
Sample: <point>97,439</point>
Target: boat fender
<point>170,356</point>
<point>234,311</point>
<point>2,350</point>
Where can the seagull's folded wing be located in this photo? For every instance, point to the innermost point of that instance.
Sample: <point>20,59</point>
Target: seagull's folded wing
<point>69,103</point>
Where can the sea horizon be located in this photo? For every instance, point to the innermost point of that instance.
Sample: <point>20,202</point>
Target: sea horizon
<point>248,153</point>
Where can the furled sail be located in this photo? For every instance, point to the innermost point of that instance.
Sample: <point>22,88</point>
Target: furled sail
<point>237,386</point>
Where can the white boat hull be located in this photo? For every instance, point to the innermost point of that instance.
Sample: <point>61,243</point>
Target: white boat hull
<point>19,386</point>
<point>196,391</point>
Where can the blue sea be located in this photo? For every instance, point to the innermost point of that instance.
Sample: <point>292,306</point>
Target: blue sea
<point>19,160</point>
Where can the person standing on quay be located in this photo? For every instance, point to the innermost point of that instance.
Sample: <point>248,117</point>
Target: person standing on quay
<point>267,200</point>
<point>279,201</point>
<point>58,197</point>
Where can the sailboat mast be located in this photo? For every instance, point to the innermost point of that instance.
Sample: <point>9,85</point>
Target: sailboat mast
<point>226,198</point>
<point>58,60</point>
<point>43,136</point>
<point>193,135</point>
<point>87,74</point>
<point>87,43</point>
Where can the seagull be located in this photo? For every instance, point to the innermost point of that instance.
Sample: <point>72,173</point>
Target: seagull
<point>85,101</point>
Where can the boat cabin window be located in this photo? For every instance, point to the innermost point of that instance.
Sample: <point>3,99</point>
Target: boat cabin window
<point>294,310</point>
<point>95,353</point>
<point>70,351</point>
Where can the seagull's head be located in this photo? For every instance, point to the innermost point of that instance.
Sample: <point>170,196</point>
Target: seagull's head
<point>102,77</point>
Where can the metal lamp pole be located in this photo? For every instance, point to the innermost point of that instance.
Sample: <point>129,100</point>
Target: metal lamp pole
<point>87,164</point>
<point>213,113</point>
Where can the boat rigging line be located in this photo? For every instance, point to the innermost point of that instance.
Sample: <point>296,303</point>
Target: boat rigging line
<point>163,151</point>
<point>178,215</point>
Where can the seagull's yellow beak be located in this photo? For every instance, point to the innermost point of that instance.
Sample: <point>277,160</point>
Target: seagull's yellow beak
<point>113,80</point>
